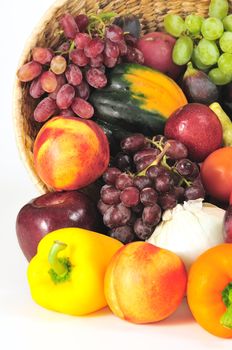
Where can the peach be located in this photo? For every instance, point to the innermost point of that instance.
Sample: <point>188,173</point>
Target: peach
<point>144,283</point>
<point>70,153</point>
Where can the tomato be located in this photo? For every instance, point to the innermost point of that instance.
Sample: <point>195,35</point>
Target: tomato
<point>216,173</point>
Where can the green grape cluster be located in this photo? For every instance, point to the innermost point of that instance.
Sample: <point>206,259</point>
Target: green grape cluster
<point>206,42</point>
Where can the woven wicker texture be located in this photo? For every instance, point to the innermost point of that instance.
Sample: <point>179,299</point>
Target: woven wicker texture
<point>151,14</point>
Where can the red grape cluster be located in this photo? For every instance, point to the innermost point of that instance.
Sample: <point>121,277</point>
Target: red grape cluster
<point>147,177</point>
<point>61,79</point>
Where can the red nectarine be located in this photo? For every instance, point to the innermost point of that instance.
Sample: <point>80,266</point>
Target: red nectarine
<point>70,153</point>
<point>144,283</point>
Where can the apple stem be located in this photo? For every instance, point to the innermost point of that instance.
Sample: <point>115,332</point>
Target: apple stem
<point>57,266</point>
<point>226,319</point>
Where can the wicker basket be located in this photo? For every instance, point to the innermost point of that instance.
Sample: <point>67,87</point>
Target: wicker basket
<point>151,14</point>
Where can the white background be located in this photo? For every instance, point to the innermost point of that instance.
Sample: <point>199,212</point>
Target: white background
<point>23,324</point>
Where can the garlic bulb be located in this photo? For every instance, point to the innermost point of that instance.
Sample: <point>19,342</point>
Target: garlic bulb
<point>190,229</point>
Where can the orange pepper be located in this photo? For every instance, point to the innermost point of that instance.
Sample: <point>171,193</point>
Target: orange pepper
<point>209,290</point>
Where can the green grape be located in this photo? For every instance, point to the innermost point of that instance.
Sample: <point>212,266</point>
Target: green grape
<point>227,22</point>
<point>174,24</point>
<point>208,52</point>
<point>193,24</point>
<point>182,50</point>
<point>212,28</point>
<point>219,78</point>
<point>225,63</point>
<point>197,62</point>
<point>226,42</point>
<point>218,8</point>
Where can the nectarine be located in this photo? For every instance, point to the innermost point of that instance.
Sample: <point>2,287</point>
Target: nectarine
<point>70,153</point>
<point>144,283</point>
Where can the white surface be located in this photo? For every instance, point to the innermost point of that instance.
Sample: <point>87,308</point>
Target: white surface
<point>23,324</point>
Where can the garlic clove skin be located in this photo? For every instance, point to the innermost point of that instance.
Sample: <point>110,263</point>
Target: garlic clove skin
<point>190,229</point>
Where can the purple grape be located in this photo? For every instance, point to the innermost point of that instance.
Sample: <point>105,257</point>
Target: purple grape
<point>163,183</point>
<point>130,196</point>
<point>179,193</point>
<point>176,178</point>
<point>151,153</point>
<point>133,143</point>
<point>142,181</point>
<point>94,48</point>
<point>36,90</point>
<point>194,192</point>
<point>134,55</point>
<point>117,215</point>
<point>69,26</point>
<point>148,196</point>
<point>138,209</point>
<point>144,163</point>
<point>133,218</point>
<point>45,109</point>
<point>124,234</point>
<point>97,61</point>
<point>73,75</point>
<point>123,162</point>
<point>142,231</point>
<point>111,175</point>
<point>67,113</point>
<point>167,201</point>
<point>82,22</point>
<point>114,33</point>
<point>111,49</point>
<point>65,96</point>
<point>187,168</point>
<point>110,62</point>
<point>155,171</point>
<point>130,39</point>
<point>122,47</point>
<point>110,195</point>
<point>177,150</point>
<point>102,207</point>
<point>96,78</point>
<point>83,90</point>
<point>151,215</point>
<point>78,57</point>
<point>123,181</point>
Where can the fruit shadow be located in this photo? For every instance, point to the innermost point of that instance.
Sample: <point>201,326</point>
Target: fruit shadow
<point>181,316</point>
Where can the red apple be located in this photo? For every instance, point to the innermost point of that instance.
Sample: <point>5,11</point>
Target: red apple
<point>50,212</point>
<point>157,50</point>
<point>197,127</point>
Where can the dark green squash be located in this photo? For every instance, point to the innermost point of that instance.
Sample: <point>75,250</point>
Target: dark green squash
<point>137,99</point>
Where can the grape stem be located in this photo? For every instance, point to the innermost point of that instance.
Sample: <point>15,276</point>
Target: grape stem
<point>72,46</point>
<point>156,161</point>
<point>157,144</point>
<point>163,159</point>
<point>98,23</point>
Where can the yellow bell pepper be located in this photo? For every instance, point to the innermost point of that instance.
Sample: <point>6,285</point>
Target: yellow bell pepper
<point>67,273</point>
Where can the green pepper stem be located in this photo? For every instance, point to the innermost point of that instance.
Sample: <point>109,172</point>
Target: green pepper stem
<point>56,265</point>
<point>226,319</point>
